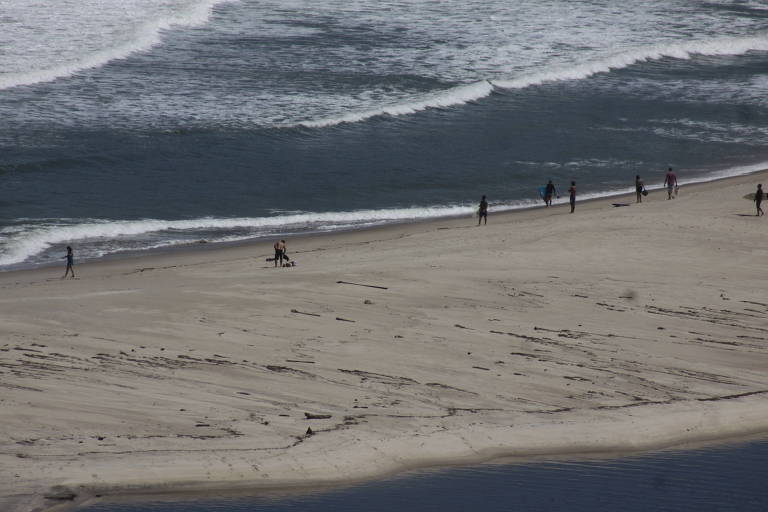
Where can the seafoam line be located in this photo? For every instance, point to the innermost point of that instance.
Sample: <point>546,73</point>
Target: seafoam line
<point>147,36</point>
<point>624,59</point>
<point>475,91</point>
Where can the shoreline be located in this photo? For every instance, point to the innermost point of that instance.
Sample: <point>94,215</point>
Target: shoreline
<point>289,489</point>
<point>542,333</point>
<point>202,245</point>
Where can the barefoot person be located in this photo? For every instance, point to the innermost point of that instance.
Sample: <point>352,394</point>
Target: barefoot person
<point>70,263</point>
<point>639,187</point>
<point>670,181</point>
<point>482,211</point>
<point>572,195</point>
<point>759,199</point>
<point>279,252</point>
<point>549,193</point>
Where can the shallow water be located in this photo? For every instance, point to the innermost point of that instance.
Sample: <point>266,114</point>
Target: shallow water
<point>728,478</point>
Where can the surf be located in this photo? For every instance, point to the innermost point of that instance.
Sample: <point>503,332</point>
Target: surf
<point>147,34</point>
<point>27,241</point>
<point>624,59</point>
<point>468,93</point>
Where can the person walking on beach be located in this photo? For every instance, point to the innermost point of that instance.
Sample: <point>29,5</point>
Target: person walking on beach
<point>759,199</point>
<point>549,192</point>
<point>572,195</point>
<point>70,263</point>
<point>482,211</point>
<point>670,181</point>
<point>639,187</point>
<point>279,252</point>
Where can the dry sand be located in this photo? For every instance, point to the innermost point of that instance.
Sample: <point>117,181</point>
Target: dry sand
<point>611,329</point>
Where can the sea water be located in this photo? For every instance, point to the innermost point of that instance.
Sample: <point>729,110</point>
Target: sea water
<point>131,125</point>
<point>725,479</point>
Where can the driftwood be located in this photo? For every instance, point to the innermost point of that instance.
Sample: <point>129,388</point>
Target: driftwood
<point>303,312</point>
<point>366,285</point>
<point>311,416</point>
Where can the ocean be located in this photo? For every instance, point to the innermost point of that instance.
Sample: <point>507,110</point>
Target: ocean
<point>724,479</point>
<point>135,125</point>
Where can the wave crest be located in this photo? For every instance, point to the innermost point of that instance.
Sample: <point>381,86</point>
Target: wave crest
<point>475,91</point>
<point>147,36</point>
<point>684,51</point>
<point>24,243</point>
<point>30,240</point>
<point>448,98</point>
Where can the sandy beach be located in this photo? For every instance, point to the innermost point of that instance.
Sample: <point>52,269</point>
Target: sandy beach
<point>608,330</point>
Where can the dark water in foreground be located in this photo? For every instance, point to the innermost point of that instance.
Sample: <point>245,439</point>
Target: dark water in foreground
<point>730,478</point>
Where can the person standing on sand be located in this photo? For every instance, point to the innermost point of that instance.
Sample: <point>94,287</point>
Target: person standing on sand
<point>279,252</point>
<point>482,211</point>
<point>670,181</point>
<point>759,199</point>
<point>639,187</point>
<point>70,263</point>
<point>549,192</point>
<point>572,194</point>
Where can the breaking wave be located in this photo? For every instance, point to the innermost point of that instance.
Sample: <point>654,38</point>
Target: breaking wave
<point>26,241</point>
<point>146,36</point>
<point>475,91</point>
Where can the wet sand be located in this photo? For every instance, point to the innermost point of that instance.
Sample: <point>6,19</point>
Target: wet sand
<point>613,329</point>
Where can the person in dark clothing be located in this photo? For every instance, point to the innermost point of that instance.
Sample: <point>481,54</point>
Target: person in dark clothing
<point>279,252</point>
<point>549,193</point>
<point>70,263</point>
<point>639,187</point>
<point>482,212</point>
<point>759,199</point>
<point>670,181</point>
<point>572,194</point>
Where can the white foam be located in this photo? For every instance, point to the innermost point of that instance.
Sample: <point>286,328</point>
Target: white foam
<point>79,53</point>
<point>713,131</point>
<point>713,47</point>
<point>472,92</point>
<point>455,96</point>
<point>21,244</point>
<point>512,47</point>
<point>730,172</point>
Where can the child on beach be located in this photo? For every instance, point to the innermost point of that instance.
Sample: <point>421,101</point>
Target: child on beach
<point>70,263</point>
<point>572,193</point>
<point>639,188</point>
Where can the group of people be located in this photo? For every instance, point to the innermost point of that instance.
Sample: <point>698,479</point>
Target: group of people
<point>670,182</point>
<point>281,259</point>
<point>549,192</point>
